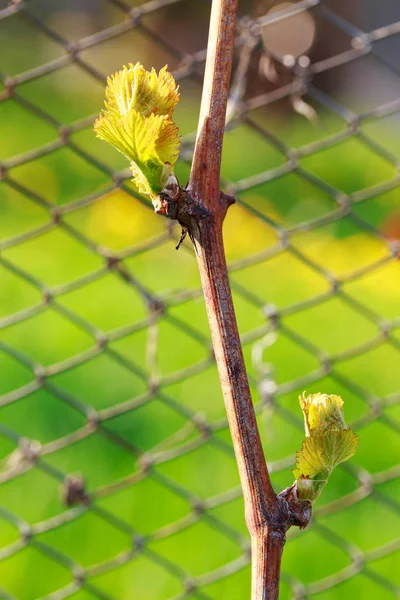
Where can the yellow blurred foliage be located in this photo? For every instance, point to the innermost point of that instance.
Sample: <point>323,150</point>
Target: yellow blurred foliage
<point>245,233</point>
<point>341,255</point>
<point>118,220</point>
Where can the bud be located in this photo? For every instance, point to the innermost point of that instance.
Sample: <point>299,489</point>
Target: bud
<point>329,442</point>
<point>322,412</point>
<point>137,121</point>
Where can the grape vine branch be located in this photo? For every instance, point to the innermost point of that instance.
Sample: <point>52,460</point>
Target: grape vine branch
<point>202,208</point>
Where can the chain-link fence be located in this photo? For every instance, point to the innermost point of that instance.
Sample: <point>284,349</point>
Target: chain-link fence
<point>118,478</point>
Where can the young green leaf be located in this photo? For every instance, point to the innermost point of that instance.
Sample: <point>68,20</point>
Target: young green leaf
<point>137,121</point>
<point>328,443</point>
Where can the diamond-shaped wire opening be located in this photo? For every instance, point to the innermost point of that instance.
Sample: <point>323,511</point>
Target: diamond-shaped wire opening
<point>152,427</point>
<point>263,155</point>
<point>133,503</point>
<point>328,325</point>
<point>380,428</point>
<point>41,564</point>
<point>88,551</point>
<point>378,290</point>
<point>367,168</point>
<point>103,381</point>
<point>16,120</point>
<point>37,48</point>
<point>382,378</point>
<point>187,349</point>
<point>16,294</point>
<point>198,392</point>
<point>191,469</point>
<point>114,461</point>
<point>290,201</point>
<point>41,416</point>
<point>305,557</point>
<point>282,280</point>
<point>246,234</point>
<point>110,55</point>
<point>71,176</point>
<point>18,372</point>
<point>63,339</point>
<point>54,258</point>
<point>140,571</point>
<point>77,21</point>
<point>74,94</point>
<point>352,523</point>
<point>192,38</point>
<point>19,213</point>
<point>113,291</point>
<point>342,247</point>
<point>20,495</point>
<point>210,556</point>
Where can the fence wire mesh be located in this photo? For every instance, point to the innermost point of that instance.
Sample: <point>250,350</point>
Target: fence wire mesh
<point>118,478</point>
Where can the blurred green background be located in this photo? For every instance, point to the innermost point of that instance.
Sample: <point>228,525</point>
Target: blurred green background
<point>105,353</point>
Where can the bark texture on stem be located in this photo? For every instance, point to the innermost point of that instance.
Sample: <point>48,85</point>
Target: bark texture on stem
<point>205,173</point>
<point>259,497</point>
<point>266,550</point>
<point>201,209</point>
<point>262,507</point>
<point>205,227</point>
<point>206,231</point>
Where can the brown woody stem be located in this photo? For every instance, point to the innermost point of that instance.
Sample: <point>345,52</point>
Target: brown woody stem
<point>266,549</point>
<point>261,503</point>
<point>201,210</point>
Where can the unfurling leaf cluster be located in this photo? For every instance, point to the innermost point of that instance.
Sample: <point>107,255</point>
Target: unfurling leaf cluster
<point>329,442</point>
<point>137,121</point>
